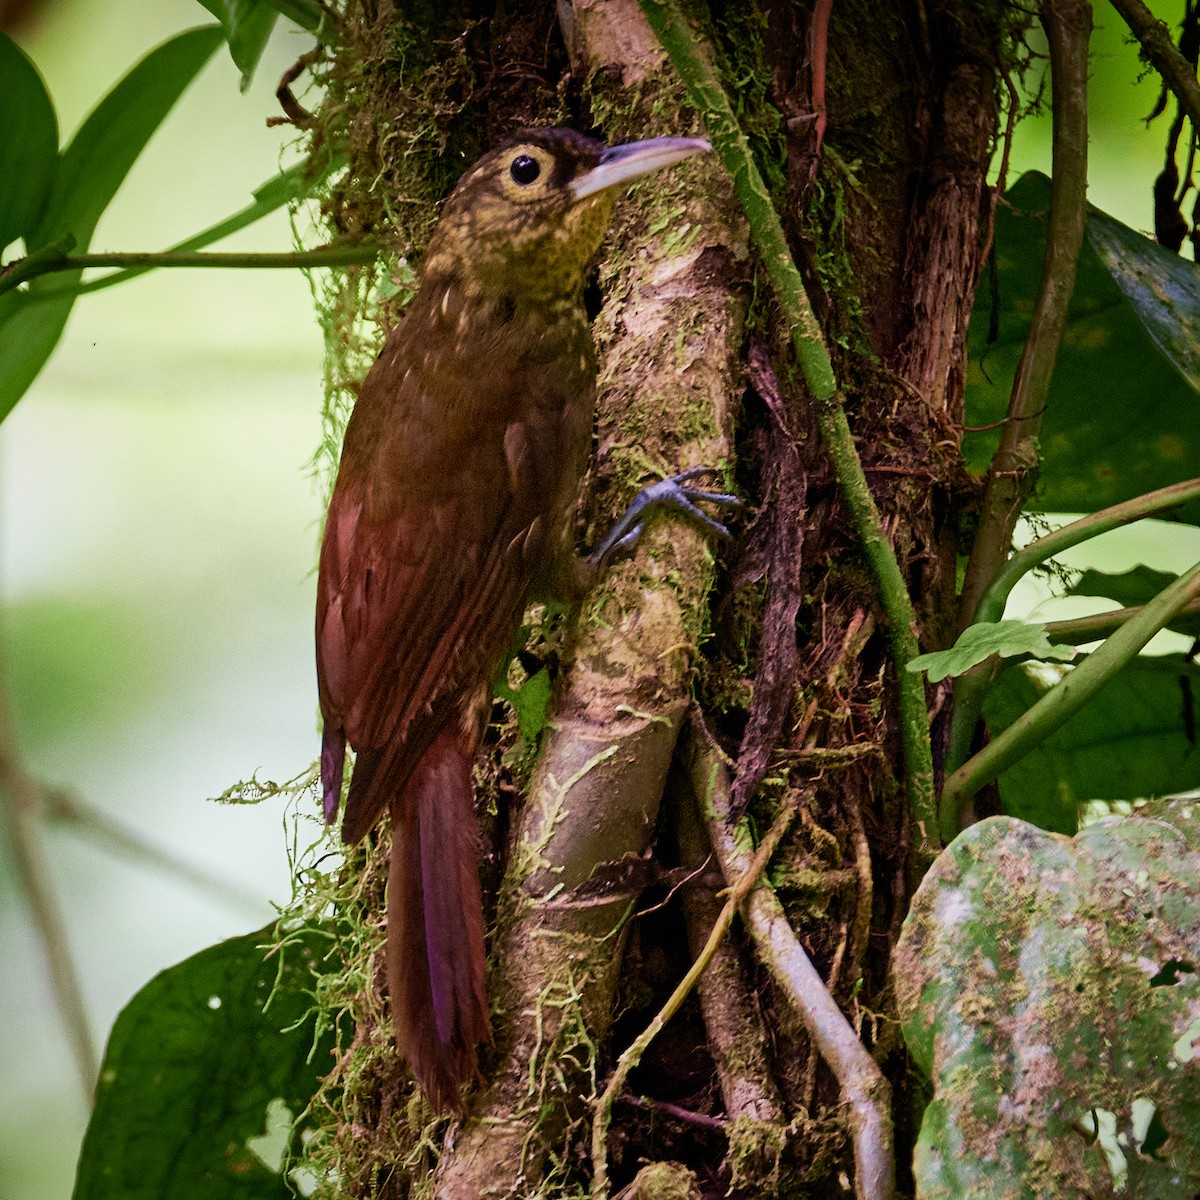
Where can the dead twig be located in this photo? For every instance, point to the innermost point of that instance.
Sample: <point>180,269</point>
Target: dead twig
<point>737,892</point>
<point>22,801</point>
<point>864,1089</point>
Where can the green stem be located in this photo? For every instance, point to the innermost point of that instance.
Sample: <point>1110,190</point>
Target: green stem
<point>43,259</point>
<point>1068,24</point>
<point>709,97</point>
<point>1079,630</point>
<point>970,688</point>
<point>1068,696</point>
<point>138,262</point>
<point>991,607</point>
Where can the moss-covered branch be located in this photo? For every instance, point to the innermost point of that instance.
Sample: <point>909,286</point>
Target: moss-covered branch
<point>689,59</point>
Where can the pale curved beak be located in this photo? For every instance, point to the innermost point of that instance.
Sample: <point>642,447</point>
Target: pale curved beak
<point>620,164</point>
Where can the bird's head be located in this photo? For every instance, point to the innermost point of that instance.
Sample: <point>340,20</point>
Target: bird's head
<point>529,215</point>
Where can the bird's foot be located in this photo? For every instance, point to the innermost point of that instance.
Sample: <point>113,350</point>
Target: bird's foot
<point>672,493</point>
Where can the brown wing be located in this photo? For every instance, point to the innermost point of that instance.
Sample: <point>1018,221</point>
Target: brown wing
<point>443,512</point>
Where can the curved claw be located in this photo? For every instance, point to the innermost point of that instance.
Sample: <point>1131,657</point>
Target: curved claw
<point>669,493</point>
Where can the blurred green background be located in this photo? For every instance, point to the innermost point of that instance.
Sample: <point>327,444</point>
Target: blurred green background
<point>158,529</point>
<point>158,532</point>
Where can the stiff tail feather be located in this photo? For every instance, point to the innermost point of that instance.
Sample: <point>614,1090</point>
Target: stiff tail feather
<point>435,952</point>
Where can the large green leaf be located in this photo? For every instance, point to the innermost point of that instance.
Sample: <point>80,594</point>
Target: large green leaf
<point>1136,738</point>
<point>1139,585</point>
<point>29,146</point>
<point>1123,415</point>
<point>90,171</point>
<point>1050,987</point>
<point>1133,588</point>
<point>247,25</point>
<point>204,1071</point>
<point>1162,287</point>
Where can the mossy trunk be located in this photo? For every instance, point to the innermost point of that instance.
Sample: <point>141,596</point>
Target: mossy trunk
<point>772,647</point>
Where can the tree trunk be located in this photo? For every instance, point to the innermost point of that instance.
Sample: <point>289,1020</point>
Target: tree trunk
<point>772,651</point>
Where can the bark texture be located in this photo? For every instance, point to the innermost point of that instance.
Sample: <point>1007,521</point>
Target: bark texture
<point>776,642</point>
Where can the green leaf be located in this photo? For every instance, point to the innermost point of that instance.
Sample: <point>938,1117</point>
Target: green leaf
<point>979,642</point>
<point>1050,986</point>
<point>1162,287</point>
<point>201,1069</point>
<point>1130,589</point>
<point>310,15</point>
<point>1135,738</point>
<point>281,189</point>
<point>29,147</point>
<point>1123,414</point>
<point>108,143</point>
<point>247,25</point>
<point>90,171</point>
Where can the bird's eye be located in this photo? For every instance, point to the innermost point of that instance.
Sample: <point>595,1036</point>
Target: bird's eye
<point>524,169</point>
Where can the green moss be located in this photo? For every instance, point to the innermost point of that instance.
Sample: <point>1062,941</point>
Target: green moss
<point>743,69</point>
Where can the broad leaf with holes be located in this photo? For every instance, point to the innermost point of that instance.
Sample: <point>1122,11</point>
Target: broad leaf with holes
<point>204,1071</point>
<point>1050,987</point>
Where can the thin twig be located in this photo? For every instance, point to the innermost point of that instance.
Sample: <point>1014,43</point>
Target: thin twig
<point>323,256</point>
<point>864,902</point>
<point>1154,37</point>
<point>1080,630</point>
<point>21,800</point>
<point>864,1088</point>
<point>61,807</point>
<point>1068,25</point>
<point>633,1053</point>
<point>686,1115</point>
<point>733,1020</point>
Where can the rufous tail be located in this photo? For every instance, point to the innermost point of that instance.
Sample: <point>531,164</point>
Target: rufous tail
<point>435,955</point>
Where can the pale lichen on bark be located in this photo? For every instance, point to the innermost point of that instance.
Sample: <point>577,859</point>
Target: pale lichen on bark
<point>614,729</point>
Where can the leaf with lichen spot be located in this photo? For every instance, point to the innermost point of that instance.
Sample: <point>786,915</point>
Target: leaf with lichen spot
<point>1050,987</point>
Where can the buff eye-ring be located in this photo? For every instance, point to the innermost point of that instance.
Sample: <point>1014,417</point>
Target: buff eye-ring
<point>524,169</point>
